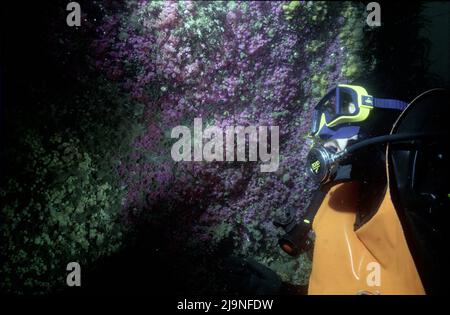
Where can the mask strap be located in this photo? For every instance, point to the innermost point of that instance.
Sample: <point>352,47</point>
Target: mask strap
<point>389,103</point>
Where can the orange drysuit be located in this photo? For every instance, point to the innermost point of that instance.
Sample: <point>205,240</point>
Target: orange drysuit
<point>374,259</point>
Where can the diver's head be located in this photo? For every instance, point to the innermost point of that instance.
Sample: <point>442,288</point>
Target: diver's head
<point>333,150</point>
<point>345,116</point>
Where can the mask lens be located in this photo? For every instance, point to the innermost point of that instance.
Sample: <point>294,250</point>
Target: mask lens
<point>347,104</point>
<point>327,107</point>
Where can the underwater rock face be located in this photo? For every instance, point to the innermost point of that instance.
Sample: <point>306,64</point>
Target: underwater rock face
<point>146,67</point>
<point>231,63</point>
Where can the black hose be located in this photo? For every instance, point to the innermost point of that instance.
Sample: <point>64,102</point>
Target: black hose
<point>391,138</point>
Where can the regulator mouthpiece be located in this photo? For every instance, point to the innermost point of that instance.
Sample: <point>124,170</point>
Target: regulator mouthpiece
<point>321,163</point>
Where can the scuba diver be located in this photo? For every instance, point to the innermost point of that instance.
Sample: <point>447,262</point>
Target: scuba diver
<point>376,224</point>
<point>377,218</point>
